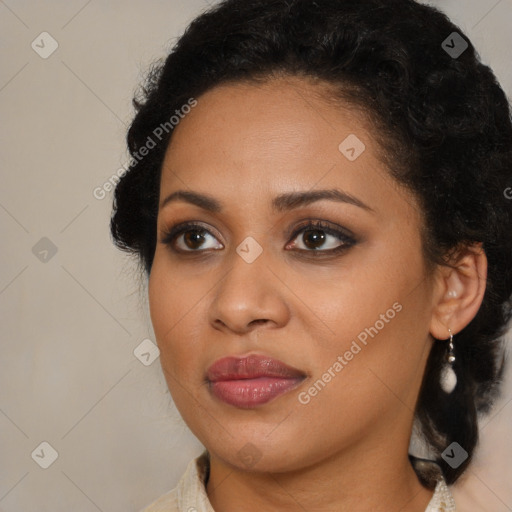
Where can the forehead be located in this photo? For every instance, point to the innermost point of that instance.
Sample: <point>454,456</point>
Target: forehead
<point>291,106</point>
<point>273,129</point>
<point>247,144</point>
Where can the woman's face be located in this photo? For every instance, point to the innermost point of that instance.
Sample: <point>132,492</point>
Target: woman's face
<point>251,280</point>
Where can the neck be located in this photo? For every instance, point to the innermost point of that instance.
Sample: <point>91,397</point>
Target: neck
<point>346,481</point>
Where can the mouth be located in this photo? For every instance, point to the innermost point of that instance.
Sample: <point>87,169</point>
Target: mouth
<point>250,381</point>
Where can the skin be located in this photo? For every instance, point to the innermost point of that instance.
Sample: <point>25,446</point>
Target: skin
<point>244,144</point>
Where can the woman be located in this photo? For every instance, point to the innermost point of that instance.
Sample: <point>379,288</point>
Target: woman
<point>317,194</point>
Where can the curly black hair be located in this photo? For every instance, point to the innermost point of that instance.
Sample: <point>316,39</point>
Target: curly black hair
<point>443,121</point>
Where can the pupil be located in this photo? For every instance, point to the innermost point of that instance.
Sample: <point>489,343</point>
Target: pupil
<point>193,239</point>
<point>318,236</point>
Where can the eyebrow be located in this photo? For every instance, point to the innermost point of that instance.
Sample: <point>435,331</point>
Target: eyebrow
<point>280,203</point>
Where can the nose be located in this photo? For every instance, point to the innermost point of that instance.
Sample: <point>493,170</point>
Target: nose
<point>249,296</point>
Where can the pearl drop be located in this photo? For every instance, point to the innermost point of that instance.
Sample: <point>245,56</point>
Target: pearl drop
<point>448,379</point>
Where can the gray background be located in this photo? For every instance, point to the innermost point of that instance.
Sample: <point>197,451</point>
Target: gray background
<point>71,319</point>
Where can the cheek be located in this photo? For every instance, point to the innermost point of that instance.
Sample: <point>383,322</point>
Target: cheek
<point>166,308</point>
<point>348,302</point>
<point>172,307</point>
<point>175,303</point>
<point>161,303</point>
<point>375,316</point>
<point>370,369</point>
<point>170,294</point>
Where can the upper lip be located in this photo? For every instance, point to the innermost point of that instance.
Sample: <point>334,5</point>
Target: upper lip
<point>251,366</point>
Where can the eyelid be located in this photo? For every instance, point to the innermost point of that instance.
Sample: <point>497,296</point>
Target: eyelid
<point>171,234</point>
<point>344,235</point>
<point>329,227</point>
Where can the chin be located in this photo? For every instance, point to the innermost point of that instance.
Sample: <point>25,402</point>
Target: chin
<point>256,453</point>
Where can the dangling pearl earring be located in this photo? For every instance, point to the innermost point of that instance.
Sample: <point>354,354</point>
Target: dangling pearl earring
<point>448,376</point>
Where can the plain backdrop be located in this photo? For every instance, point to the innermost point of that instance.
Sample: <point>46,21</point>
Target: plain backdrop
<point>73,311</point>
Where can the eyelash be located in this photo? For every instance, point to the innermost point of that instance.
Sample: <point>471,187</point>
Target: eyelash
<point>170,236</point>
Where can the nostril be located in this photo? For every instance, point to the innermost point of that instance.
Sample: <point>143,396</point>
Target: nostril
<point>258,321</point>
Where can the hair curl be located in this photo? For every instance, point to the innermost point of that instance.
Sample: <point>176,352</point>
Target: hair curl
<point>447,129</point>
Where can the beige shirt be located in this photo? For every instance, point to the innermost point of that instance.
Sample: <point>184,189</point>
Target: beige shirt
<point>190,493</point>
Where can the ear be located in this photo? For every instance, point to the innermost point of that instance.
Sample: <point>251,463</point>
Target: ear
<point>458,292</point>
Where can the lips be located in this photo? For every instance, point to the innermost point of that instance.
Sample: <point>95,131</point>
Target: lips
<point>252,380</point>
<point>250,367</point>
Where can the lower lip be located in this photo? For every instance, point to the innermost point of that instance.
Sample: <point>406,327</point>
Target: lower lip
<point>248,393</point>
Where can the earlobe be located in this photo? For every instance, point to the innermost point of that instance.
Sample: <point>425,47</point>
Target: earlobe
<point>459,292</point>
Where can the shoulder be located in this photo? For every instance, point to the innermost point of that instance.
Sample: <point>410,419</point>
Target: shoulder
<point>190,493</point>
<point>442,500</point>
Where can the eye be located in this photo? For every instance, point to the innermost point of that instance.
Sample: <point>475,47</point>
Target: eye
<point>194,236</point>
<point>190,237</point>
<point>315,234</point>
